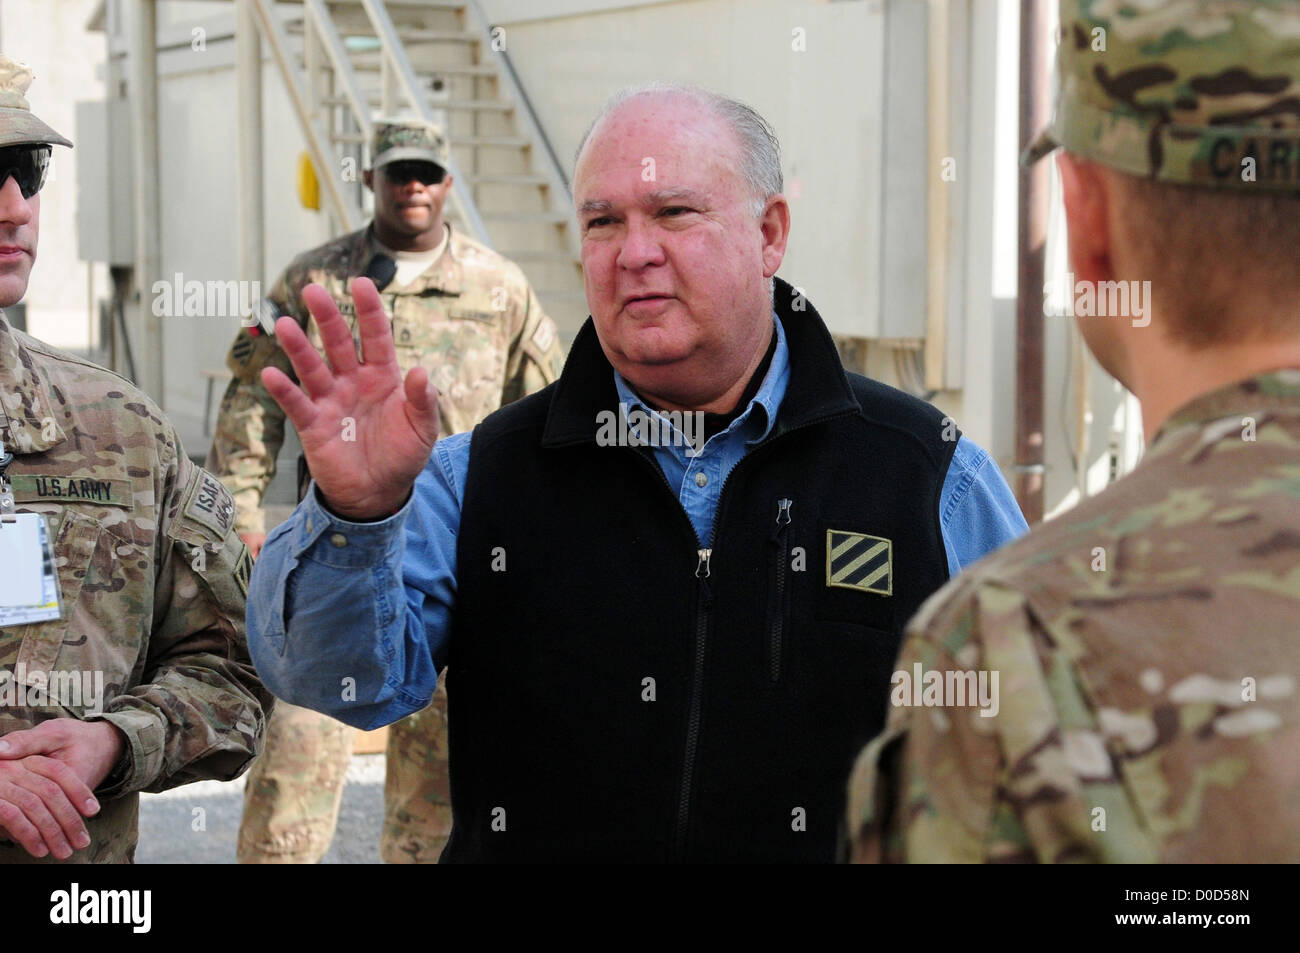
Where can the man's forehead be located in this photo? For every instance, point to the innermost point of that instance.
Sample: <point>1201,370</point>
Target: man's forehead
<point>658,138</point>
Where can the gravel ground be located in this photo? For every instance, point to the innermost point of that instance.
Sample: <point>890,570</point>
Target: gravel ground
<point>168,820</point>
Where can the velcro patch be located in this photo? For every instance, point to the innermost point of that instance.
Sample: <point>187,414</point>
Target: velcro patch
<point>487,317</point>
<point>30,487</point>
<point>210,504</point>
<point>544,337</point>
<point>859,561</point>
<point>243,570</point>
<point>242,347</point>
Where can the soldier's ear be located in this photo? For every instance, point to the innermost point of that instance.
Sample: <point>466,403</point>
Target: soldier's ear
<point>368,177</point>
<point>1087,217</point>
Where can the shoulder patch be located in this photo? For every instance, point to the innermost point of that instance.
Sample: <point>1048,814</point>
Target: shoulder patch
<point>544,337</point>
<point>210,504</point>
<point>243,570</point>
<point>242,347</point>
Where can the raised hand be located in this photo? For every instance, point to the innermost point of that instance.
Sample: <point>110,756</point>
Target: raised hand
<point>366,433</point>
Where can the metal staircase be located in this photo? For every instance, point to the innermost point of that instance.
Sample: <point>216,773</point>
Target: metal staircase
<point>347,63</point>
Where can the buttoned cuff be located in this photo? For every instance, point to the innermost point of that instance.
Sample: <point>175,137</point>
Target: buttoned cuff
<point>331,540</point>
<point>142,761</point>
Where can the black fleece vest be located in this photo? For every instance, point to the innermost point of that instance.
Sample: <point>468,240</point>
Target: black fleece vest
<point>618,693</point>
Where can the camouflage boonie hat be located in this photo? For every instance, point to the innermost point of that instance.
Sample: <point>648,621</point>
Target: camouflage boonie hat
<point>404,139</point>
<point>1183,91</point>
<point>17,124</point>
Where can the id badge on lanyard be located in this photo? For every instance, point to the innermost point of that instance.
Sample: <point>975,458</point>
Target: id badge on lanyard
<point>29,586</point>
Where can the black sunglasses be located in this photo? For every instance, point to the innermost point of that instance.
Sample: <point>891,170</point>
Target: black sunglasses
<point>402,172</point>
<point>28,164</point>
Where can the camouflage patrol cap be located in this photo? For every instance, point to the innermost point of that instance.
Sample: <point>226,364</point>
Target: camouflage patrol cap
<point>1197,92</point>
<point>404,139</point>
<point>17,124</point>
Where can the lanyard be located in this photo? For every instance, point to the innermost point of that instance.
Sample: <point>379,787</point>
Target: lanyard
<point>6,489</point>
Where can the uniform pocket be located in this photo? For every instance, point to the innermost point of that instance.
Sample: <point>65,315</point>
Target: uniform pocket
<point>84,656</point>
<point>74,545</point>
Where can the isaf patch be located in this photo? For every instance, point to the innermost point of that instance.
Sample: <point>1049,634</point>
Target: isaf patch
<point>211,504</point>
<point>859,561</point>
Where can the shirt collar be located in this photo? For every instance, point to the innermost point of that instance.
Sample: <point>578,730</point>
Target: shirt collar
<point>1264,393</point>
<point>32,425</point>
<point>762,408</point>
<point>443,275</point>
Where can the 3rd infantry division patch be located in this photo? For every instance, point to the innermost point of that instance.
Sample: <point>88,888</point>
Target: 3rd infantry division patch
<point>244,570</point>
<point>859,561</point>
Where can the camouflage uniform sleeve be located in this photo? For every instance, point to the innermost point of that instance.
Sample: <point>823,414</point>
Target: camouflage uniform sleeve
<point>536,355</point>
<point>250,424</point>
<point>199,709</point>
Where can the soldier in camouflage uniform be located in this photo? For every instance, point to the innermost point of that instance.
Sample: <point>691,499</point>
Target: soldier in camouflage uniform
<point>1145,642</point>
<point>471,319</point>
<point>150,573</point>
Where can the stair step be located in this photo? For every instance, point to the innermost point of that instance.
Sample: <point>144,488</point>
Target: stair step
<point>409,35</point>
<point>526,218</point>
<point>497,178</point>
<point>453,5</point>
<point>484,70</point>
<point>459,105</point>
<point>503,142</point>
<point>482,142</point>
<point>558,257</point>
<point>482,105</point>
<point>429,4</point>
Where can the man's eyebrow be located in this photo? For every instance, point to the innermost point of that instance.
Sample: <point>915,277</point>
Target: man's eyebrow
<point>664,196</point>
<point>649,200</point>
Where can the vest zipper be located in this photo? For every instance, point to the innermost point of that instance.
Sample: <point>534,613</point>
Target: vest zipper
<point>703,603</point>
<point>780,540</point>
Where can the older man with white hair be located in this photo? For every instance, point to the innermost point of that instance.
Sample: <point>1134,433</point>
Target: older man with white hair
<point>659,648</point>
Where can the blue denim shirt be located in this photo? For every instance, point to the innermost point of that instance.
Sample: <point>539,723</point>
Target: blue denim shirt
<point>352,618</point>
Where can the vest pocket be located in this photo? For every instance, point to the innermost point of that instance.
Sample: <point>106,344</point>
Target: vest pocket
<point>778,611</point>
